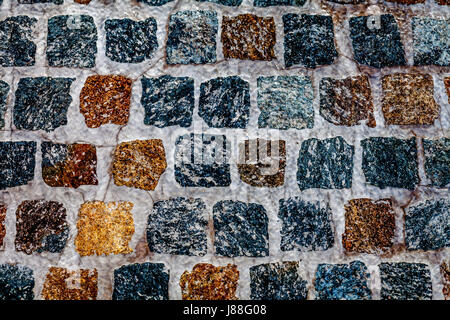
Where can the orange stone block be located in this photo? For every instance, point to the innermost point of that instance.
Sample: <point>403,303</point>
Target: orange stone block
<point>207,282</point>
<point>369,226</point>
<point>63,284</point>
<point>139,164</point>
<point>105,99</point>
<point>445,272</point>
<point>408,99</point>
<point>2,223</point>
<point>82,1</point>
<point>104,228</point>
<point>447,87</point>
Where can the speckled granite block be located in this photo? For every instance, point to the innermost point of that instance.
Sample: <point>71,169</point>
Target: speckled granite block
<point>155,2</point>
<point>376,41</point>
<point>17,162</point>
<point>225,102</point>
<point>2,223</point>
<point>64,284</point>
<point>285,102</point>
<point>405,281</point>
<point>406,2</point>
<point>437,161</point>
<point>192,37</point>
<point>390,162</point>
<point>146,281</point>
<point>129,41</point>
<point>40,1</point>
<point>342,282</point>
<point>325,164</point>
<point>445,273</point>
<point>202,160</point>
<point>241,229</point>
<point>408,99</point>
<point>277,281</point>
<point>82,1</point>
<point>447,87</point>
<point>41,226</point>
<point>308,40</point>
<point>269,3</point>
<point>4,89</point>
<point>369,226</point>
<point>348,1</point>
<point>16,282</point>
<point>17,48</point>
<point>168,101</point>
<point>69,165</point>
<point>347,102</point>
<point>230,3</point>
<point>431,44</point>
<point>72,41</point>
<point>178,227</point>
<point>306,226</point>
<point>207,282</point>
<point>427,225</point>
<point>42,103</point>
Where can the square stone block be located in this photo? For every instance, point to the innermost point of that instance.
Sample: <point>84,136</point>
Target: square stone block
<point>64,284</point>
<point>431,41</point>
<point>16,282</point>
<point>437,160</point>
<point>17,162</point>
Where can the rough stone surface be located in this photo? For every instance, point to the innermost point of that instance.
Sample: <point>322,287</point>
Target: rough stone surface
<point>269,3</point>
<point>105,99</point>
<point>40,1</point>
<point>16,282</point>
<point>146,281</point>
<point>70,165</point>
<point>4,89</point>
<point>405,281</point>
<point>277,281</point>
<point>445,272</point>
<point>241,229</point>
<point>342,282</point>
<point>104,228</point>
<point>41,226</point>
<point>308,40</point>
<point>17,48</point>
<point>306,226</point>
<point>346,102</point>
<point>71,41</point>
<point>376,41</point>
<point>42,103</point>
<point>390,162</point>
<point>408,99</point>
<point>369,226</point>
<point>325,164</point>
<point>168,101</point>
<point>447,87</point>
<point>230,3</point>
<point>139,164</point>
<point>17,162</point>
<point>82,1</point>
<point>437,161</point>
<point>64,284</point>
<point>2,223</point>
<point>427,225</point>
<point>192,37</point>
<point>430,38</point>
<point>155,2</point>
<point>285,102</point>
<point>207,282</point>
<point>178,226</point>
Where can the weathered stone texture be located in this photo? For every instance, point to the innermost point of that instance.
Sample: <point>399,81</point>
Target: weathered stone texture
<point>269,3</point>
<point>16,282</point>
<point>430,38</point>
<point>64,284</point>
<point>17,162</point>
<point>445,272</point>
<point>437,161</point>
<point>4,89</point>
<point>2,223</point>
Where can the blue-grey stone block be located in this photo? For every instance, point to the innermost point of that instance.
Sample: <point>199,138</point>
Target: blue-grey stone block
<point>192,37</point>
<point>146,281</point>
<point>437,161</point>
<point>285,102</point>
<point>308,40</point>
<point>230,3</point>
<point>168,101</point>
<point>155,2</point>
<point>427,225</point>
<point>178,226</point>
<point>342,282</point>
<point>269,3</point>
<point>71,41</point>
<point>4,89</point>
<point>376,41</point>
<point>277,281</point>
<point>431,41</point>
<point>17,48</point>
<point>241,229</point>
<point>405,281</point>
<point>306,226</point>
<point>390,162</point>
<point>325,164</point>
<point>16,282</point>
<point>42,103</point>
<point>17,162</point>
<point>225,102</point>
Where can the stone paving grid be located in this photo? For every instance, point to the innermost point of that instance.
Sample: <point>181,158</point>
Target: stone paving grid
<point>107,137</point>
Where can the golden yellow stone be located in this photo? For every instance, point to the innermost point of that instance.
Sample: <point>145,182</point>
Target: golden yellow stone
<point>63,284</point>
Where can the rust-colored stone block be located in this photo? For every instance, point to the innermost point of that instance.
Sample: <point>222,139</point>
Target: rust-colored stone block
<point>2,223</point>
<point>369,226</point>
<point>407,2</point>
<point>447,87</point>
<point>443,2</point>
<point>207,282</point>
<point>63,284</point>
<point>248,37</point>
<point>262,162</point>
<point>105,99</point>
<point>445,272</point>
<point>104,228</point>
<point>139,164</point>
<point>82,1</point>
<point>408,99</point>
